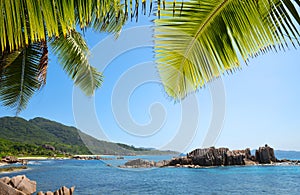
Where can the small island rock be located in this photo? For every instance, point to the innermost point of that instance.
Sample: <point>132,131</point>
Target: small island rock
<point>265,155</point>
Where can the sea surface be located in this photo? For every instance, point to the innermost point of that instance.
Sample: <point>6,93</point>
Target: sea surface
<point>95,177</point>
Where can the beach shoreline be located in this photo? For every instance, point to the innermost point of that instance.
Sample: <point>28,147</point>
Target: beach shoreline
<point>3,164</point>
<point>12,169</point>
<point>34,158</point>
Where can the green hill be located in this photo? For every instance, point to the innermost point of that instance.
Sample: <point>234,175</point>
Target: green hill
<point>21,137</point>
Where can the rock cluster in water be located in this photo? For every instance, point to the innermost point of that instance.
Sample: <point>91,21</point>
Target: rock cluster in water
<point>213,157</point>
<point>140,163</point>
<point>12,159</point>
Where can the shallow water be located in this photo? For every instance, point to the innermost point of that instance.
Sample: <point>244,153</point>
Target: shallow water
<point>95,177</point>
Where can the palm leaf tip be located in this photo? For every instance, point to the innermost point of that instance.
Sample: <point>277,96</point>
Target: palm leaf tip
<point>89,80</point>
<point>72,53</point>
<point>205,38</point>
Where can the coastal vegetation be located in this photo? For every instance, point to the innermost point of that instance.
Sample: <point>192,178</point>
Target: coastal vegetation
<point>28,137</point>
<point>43,137</point>
<point>9,148</point>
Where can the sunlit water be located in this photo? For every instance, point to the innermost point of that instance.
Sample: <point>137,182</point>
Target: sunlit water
<point>95,177</point>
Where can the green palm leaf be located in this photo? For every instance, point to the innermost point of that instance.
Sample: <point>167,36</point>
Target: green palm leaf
<point>24,21</point>
<point>72,53</point>
<point>19,78</point>
<point>204,38</point>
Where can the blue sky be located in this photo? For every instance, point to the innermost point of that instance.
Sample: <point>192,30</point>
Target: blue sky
<point>261,102</point>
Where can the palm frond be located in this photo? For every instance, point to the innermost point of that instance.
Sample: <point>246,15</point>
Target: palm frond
<point>112,22</point>
<point>72,53</point>
<point>24,21</point>
<point>19,78</point>
<point>204,38</point>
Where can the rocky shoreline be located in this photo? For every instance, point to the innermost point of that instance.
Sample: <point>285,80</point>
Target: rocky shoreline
<point>12,169</point>
<point>12,159</point>
<point>21,185</point>
<point>211,157</point>
<point>97,157</point>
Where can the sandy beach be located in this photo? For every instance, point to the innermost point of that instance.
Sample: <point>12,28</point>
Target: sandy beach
<point>41,158</point>
<point>33,158</point>
<point>2,164</point>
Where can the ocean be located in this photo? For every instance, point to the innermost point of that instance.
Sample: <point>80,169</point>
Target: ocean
<point>95,177</point>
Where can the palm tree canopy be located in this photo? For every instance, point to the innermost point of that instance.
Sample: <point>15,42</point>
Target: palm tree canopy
<point>195,41</point>
<point>26,28</point>
<point>200,40</point>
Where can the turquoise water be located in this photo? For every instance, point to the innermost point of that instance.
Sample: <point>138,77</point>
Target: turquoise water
<point>95,177</point>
